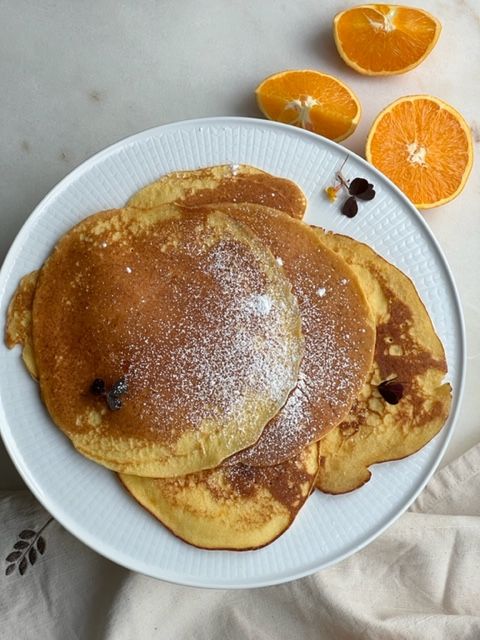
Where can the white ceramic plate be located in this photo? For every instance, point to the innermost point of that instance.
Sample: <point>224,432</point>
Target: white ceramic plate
<point>86,498</point>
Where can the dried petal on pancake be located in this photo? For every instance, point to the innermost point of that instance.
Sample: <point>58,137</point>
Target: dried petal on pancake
<point>391,391</point>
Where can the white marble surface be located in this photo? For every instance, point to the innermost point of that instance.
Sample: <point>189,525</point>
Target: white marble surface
<point>77,76</point>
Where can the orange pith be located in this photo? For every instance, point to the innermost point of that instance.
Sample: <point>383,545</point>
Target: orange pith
<point>424,146</point>
<point>382,39</point>
<point>312,100</point>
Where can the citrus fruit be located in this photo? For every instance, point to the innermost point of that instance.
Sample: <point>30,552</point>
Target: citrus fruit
<point>311,100</point>
<point>424,146</point>
<point>384,39</point>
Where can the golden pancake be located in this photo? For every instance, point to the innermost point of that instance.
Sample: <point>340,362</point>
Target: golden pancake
<point>408,352</point>
<point>18,328</point>
<point>223,183</point>
<point>238,507</point>
<point>337,325</point>
<point>185,319</point>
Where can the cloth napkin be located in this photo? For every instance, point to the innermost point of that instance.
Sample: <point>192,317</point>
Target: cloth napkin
<point>419,580</point>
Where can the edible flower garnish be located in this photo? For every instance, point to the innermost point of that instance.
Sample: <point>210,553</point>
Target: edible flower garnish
<point>113,396</point>
<point>357,189</point>
<point>391,391</point>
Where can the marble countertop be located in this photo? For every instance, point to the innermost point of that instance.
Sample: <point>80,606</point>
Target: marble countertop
<point>78,76</point>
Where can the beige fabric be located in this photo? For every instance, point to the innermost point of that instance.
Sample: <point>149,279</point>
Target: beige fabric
<point>418,581</point>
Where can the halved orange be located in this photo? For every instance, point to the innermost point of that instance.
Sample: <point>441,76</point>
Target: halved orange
<point>311,100</point>
<point>424,146</point>
<point>384,39</point>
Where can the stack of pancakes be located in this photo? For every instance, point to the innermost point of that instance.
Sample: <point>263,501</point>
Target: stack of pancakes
<point>224,357</point>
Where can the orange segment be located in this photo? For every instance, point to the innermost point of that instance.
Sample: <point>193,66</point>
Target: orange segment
<point>424,146</point>
<point>384,39</point>
<point>311,100</point>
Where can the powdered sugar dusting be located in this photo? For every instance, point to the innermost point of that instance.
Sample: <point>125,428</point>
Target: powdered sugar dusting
<point>211,335</point>
<point>337,354</point>
<point>259,304</point>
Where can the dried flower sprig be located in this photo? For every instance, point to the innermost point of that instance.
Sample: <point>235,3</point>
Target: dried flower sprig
<point>113,396</point>
<point>358,189</point>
